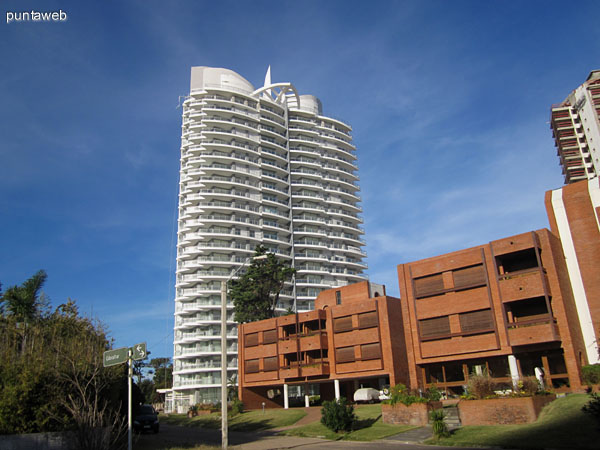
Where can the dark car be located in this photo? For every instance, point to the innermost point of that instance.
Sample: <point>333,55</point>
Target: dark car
<point>145,418</point>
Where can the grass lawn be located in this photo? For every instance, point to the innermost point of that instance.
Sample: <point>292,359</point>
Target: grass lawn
<point>368,427</point>
<point>562,424</point>
<point>247,421</point>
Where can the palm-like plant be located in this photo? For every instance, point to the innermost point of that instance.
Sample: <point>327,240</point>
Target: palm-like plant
<point>24,302</point>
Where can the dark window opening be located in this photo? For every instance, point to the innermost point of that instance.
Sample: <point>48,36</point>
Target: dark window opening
<point>338,297</point>
<point>454,372</point>
<point>517,261</point>
<point>529,310</point>
<point>289,330</point>
<point>556,363</point>
<point>434,373</point>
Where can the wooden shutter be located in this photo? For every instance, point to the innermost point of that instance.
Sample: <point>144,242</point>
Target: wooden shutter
<point>344,354</point>
<point>269,336</point>
<point>477,320</point>
<point>368,320</point>
<point>469,276</point>
<point>428,285</point>
<point>370,351</point>
<point>250,340</point>
<point>251,366</point>
<point>270,364</point>
<point>438,326</point>
<point>342,324</point>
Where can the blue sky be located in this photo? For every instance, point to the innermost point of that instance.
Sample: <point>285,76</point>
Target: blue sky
<point>449,101</point>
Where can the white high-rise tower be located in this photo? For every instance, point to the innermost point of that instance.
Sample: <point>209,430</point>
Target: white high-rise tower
<point>258,166</point>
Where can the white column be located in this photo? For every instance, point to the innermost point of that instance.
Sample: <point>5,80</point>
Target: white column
<point>514,371</point>
<point>306,401</point>
<point>286,401</point>
<point>336,385</point>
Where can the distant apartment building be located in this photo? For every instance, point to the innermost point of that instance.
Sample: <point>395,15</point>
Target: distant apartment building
<point>574,215</point>
<point>575,125</point>
<point>258,166</point>
<point>505,307</point>
<point>353,338</point>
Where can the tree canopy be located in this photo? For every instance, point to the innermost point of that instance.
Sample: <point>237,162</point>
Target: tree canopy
<point>256,293</point>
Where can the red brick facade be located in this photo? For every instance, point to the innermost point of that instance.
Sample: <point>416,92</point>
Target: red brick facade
<point>347,338</point>
<point>469,310</point>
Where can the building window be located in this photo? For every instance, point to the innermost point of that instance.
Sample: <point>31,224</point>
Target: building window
<point>429,285</point>
<point>251,366</point>
<point>477,321</point>
<point>269,336</point>
<point>370,351</point>
<point>469,276</point>
<point>338,297</point>
<point>436,327</point>
<point>342,324</point>
<point>251,340</point>
<point>270,364</point>
<point>368,320</point>
<point>344,354</point>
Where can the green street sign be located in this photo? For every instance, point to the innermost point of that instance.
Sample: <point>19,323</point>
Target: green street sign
<point>139,351</point>
<point>116,356</point>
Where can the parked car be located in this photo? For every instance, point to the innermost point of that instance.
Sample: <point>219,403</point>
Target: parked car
<point>145,419</point>
<point>366,395</point>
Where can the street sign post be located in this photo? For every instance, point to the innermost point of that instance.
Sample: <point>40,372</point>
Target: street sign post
<point>128,355</point>
<point>115,357</point>
<point>139,351</point>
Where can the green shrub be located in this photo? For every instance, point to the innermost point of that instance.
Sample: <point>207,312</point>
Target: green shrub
<point>591,374</point>
<point>338,415</point>
<point>237,406</point>
<point>401,394</point>
<point>593,407</point>
<point>440,429</point>
<point>433,394</point>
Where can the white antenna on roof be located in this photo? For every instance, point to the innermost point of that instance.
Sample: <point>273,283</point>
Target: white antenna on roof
<point>268,80</point>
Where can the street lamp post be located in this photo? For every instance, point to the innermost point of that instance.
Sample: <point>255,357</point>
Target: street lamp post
<point>224,349</point>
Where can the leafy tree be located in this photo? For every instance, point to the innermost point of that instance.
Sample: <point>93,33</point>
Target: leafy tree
<point>162,371</point>
<point>256,293</point>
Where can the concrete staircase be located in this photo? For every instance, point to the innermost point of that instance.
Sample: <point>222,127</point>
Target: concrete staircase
<point>452,419</point>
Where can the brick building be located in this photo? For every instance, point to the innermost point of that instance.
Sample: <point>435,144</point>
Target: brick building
<point>345,343</point>
<point>505,307</point>
<point>574,215</point>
